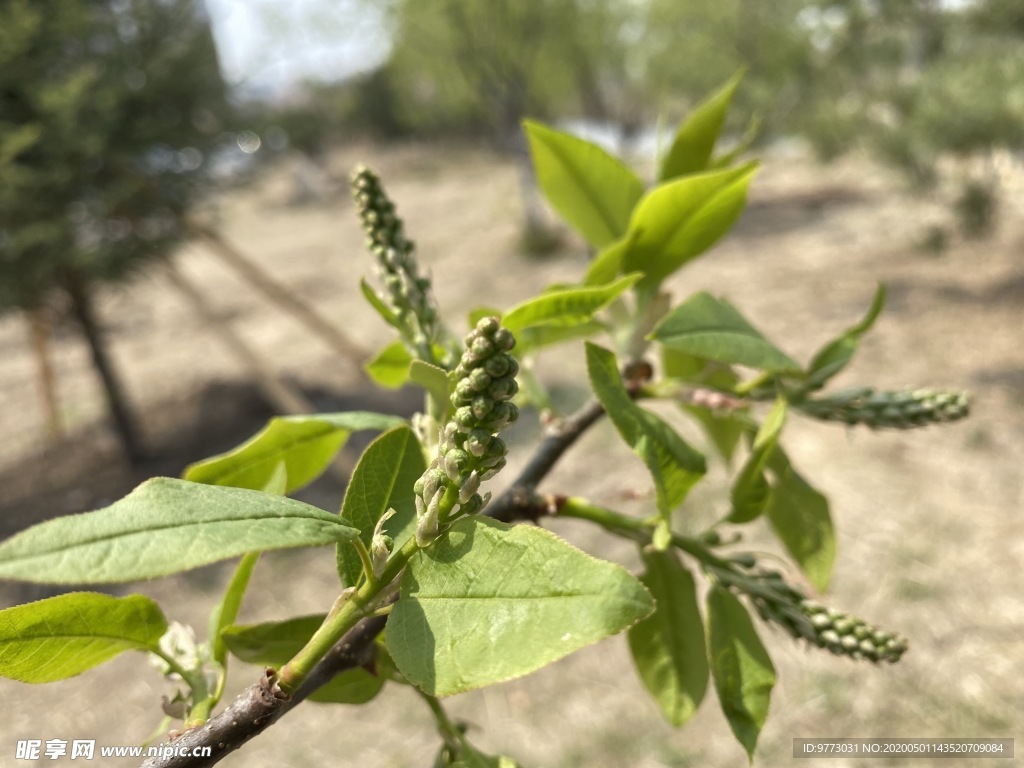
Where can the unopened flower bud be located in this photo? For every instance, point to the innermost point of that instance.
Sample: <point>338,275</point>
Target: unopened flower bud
<point>482,407</point>
<point>469,487</point>
<point>480,379</point>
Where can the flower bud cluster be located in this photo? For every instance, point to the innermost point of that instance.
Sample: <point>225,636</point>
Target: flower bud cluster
<point>785,605</point>
<point>470,451</point>
<point>904,409</point>
<point>846,635</point>
<point>410,293</point>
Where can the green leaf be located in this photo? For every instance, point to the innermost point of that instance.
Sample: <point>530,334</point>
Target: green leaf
<point>593,191</point>
<point>835,355</point>
<point>750,491</point>
<point>723,429</point>
<point>489,602</point>
<point>743,673</point>
<point>674,465</point>
<point>695,140</point>
<point>389,315</point>
<point>164,526</point>
<point>63,636</point>
<point>536,338</point>
<point>608,262</point>
<point>565,307</point>
<point>679,220</point>
<point>697,370</point>
<point>746,142</point>
<point>434,380</point>
<point>306,444</point>
<point>390,368</point>
<point>226,611</point>
<point>800,516</point>
<point>353,686</point>
<point>668,646</point>
<point>383,478</point>
<point>274,644</point>
<point>712,328</point>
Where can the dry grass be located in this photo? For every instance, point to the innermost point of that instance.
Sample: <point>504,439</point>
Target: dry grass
<point>928,521</point>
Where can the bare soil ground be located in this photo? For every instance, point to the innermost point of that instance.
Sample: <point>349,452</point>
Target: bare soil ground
<point>929,525</point>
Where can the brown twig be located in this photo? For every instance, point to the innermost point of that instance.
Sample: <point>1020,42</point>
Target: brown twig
<point>263,703</point>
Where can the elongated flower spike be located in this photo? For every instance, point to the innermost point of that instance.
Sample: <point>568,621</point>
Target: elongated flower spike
<point>904,409</point>
<point>784,604</point>
<point>470,451</point>
<point>408,291</point>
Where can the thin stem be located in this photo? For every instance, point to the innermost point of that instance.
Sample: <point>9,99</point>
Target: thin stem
<point>344,616</point>
<point>638,530</point>
<point>364,557</point>
<point>450,732</point>
<point>203,702</point>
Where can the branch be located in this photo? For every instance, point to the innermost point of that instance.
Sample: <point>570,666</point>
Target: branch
<point>261,704</point>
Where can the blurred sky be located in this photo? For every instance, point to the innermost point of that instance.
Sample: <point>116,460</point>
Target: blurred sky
<point>266,45</point>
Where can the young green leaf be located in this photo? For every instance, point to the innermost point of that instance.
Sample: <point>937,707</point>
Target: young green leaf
<point>593,191</point>
<point>375,301</point>
<point>63,636</point>
<point>679,220</point>
<point>536,338</point>
<point>746,142</point>
<point>835,355</point>
<point>390,368</point>
<point>743,673</point>
<point>274,644</point>
<point>164,526</point>
<point>434,380</point>
<point>607,264</point>
<point>489,602</point>
<point>750,491</point>
<point>674,465</point>
<point>383,479</point>
<point>226,611</point>
<point>695,140</point>
<point>800,516</point>
<point>713,329</point>
<point>668,646</point>
<point>565,307</point>
<point>306,444</point>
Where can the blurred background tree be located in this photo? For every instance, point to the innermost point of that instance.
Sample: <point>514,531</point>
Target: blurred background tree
<point>111,117</point>
<point>932,87</point>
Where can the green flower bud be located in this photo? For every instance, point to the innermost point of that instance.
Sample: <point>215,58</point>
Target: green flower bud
<point>903,409</point>
<point>465,391</point>
<point>478,442</point>
<point>482,407</point>
<point>481,348</point>
<point>469,487</point>
<point>498,365</point>
<point>455,461</point>
<point>480,379</point>
<point>504,339</point>
<point>503,389</point>
<point>464,418</point>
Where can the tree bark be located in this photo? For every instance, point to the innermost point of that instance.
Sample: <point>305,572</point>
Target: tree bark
<point>39,335</point>
<point>78,289</point>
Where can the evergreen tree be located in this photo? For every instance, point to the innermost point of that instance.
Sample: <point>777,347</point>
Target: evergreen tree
<point>110,115</point>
